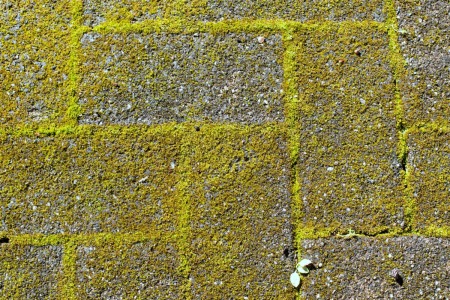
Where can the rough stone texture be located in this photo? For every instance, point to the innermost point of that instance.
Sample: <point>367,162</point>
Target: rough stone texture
<point>156,78</point>
<point>428,164</point>
<point>96,12</point>
<point>315,10</point>
<point>240,214</point>
<point>28,272</point>
<point>145,270</point>
<point>362,268</point>
<point>348,168</point>
<point>424,37</point>
<point>103,182</point>
<point>33,60</point>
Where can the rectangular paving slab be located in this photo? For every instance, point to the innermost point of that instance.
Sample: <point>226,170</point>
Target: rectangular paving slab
<point>30,272</point>
<point>143,270</point>
<point>133,78</point>
<point>428,165</point>
<point>408,267</point>
<point>34,51</point>
<point>311,10</point>
<point>97,181</point>
<point>96,12</point>
<point>240,213</point>
<point>424,37</point>
<point>349,173</point>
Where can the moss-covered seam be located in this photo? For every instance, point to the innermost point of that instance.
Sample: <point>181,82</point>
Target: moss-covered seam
<point>177,25</point>
<point>184,212</point>
<point>68,281</point>
<point>73,109</point>
<point>397,65</point>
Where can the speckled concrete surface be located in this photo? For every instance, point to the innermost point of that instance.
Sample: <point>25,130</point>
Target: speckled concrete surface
<point>156,78</point>
<point>199,149</point>
<point>429,168</point>
<point>147,268</point>
<point>348,167</point>
<point>303,11</point>
<point>366,268</point>
<point>89,183</point>
<point>240,214</point>
<point>36,269</point>
<point>424,38</point>
<point>33,70</point>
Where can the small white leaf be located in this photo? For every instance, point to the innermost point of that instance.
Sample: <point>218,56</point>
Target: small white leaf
<point>302,270</point>
<point>304,263</point>
<point>295,279</point>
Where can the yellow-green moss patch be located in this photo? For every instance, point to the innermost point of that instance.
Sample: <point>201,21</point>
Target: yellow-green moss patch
<point>29,271</point>
<point>33,61</point>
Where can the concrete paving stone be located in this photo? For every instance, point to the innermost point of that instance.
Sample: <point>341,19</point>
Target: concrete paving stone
<point>104,182</point>
<point>29,272</point>
<point>241,234</point>
<point>156,78</point>
<point>33,59</point>
<point>96,12</point>
<point>408,267</point>
<point>428,166</point>
<point>424,37</point>
<point>349,172</point>
<point>144,270</point>
<point>303,11</point>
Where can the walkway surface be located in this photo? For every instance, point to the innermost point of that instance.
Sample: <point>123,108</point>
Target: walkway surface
<point>199,149</point>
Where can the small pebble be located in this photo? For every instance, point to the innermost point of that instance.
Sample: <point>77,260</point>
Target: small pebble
<point>261,39</point>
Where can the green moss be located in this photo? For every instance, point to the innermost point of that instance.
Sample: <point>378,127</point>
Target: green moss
<point>34,62</point>
<point>68,159</point>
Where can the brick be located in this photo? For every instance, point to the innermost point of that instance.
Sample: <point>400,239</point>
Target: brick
<point>315,10</point>
<point>96,12</point>
<point>349,173</point>
<point>424,38</point>
<point>146,79</point>
<point>99,182</point>
<point>29,272</point>
<point>240,213</point>
<point>146,270</point>
<point>33,60</point>
<point>428,165</point>
<point>363,268</point>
